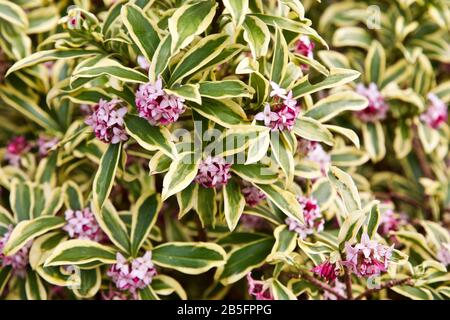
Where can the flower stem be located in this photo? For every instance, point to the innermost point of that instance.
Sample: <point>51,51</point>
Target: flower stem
<point>348,283</point>
<point>321,285</point>
<point>386,285</point>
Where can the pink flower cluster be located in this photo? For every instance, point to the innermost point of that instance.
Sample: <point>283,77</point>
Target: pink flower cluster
<point>285,110</point>
<point>18,261</point>
<point>389,222</point>
<point>313,218</point>
<point>368,257</point>
<point>252,195</point>
<point>305,47</point>
<point>377,108</point>
<point>107,121</point>
<point>132,276</point>
<point>213,172</point>
<point>436,114</point>
<point>443,254</point>
<point>157,106</point>
<point>320,156</point>
<point>81,224</point>
<point>326,270</point>
<point>114,294</point>
<point>45,145</point>
<point>259,289</point>
<point>16,147</point>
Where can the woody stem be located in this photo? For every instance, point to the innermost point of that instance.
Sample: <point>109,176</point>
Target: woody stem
<point>386,285</point>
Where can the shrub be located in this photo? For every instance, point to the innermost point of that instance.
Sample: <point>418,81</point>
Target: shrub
<point>151,144</point>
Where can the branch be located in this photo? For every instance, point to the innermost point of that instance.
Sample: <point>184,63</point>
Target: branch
<point>386,285</point>
<point>322,285</point>
<point>348,283</point>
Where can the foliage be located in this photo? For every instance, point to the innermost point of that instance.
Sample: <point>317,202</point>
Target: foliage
<point>151,144</point>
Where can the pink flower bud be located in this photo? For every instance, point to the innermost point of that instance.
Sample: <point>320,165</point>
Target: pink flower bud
<point>377,108</point>
<point>436,114</point>
<point>213,172</point>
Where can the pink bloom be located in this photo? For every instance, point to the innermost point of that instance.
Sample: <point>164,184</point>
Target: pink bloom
<point>107,121</point>
<point>305,146</point>
<point>259,289</point>
<point>252,222</point>
<point>18,261</point>
<point>81,224</point>
<point>285,111</point>
<point>443,254</point>
<point>377,108</point>
<point>252,195</point>
<point>16,147</point>
<point>389,222</point>
<point>326,270</point>
<point>45,145</point>
<point>368,257</point>
<point>213,172</point>
<point>305,47</point>
<point>339,287</point>
<point>313,218</point>
<point>132,276</point>
<point>143,62</point>
<point>436,114</point>
<point>318,155</point>
<point>157,106</point>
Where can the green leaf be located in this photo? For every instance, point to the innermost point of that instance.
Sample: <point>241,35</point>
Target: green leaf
<point>13,14</point>
<point>238,10</point>
<point>150,137</point>
<point>283,199</point>
<point>48,55</point>
<point>198,56</point>
<point>90,282</point>
<point>181,173</point>
<point>79,252</point>
<point>5,274</point>
<point>141,29</point>
<point>206,206</point>
<point>375,63</point>
<point>225,89</point>
<point>337,77</point>
<point>329,107</point>
<point>160,59</point>
<point>345,188</point>
<point>285,240</point>
<point>373,220</point>
<point>111,224</point>
<point>104,178</point>
<point>413,292</point>
<point>21,199</point>
<point>188,92</point>
<point>73,196</point>
<point>350,228</point>
<point>257,35</point>
<point>242,260</point>
<point>352,37</point>
<point>255,172</point>
<point>144,215</point>
<point>186,199</point>
<point>222,112</point>
<point>234,203</point>
<point>112,68</point>
<point>30,229</point>
<point>148,294</point>
<point>374,143</point>
<point>280,57</point>
<point>190,20</point>
<point>34,288</point>
<point>29,108</point>
<point>311,129</point>
<point>189,257</point>
<point>280,292</point>
<point>283,154</point>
